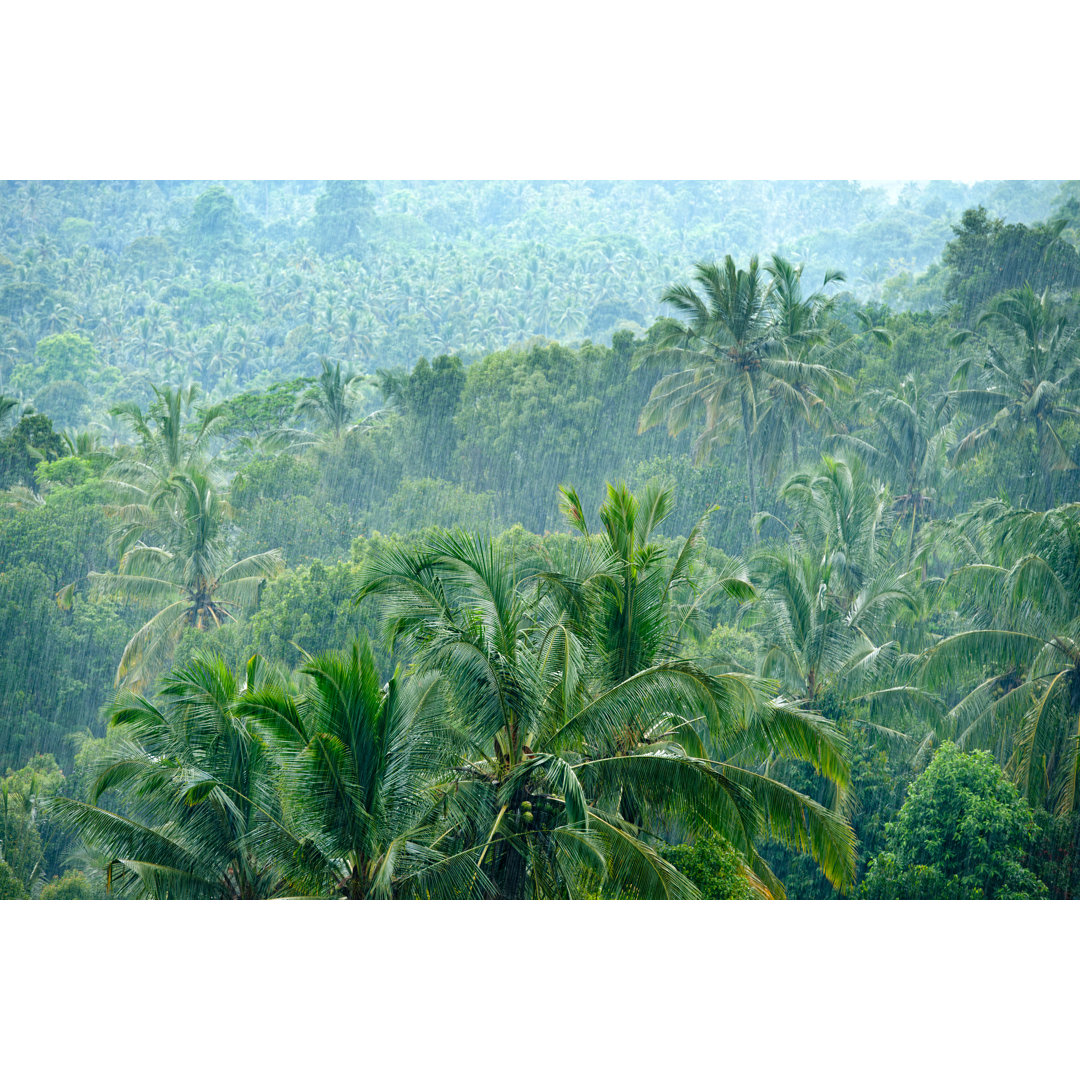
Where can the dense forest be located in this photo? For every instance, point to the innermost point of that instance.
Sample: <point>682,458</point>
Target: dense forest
<point>539,540</point>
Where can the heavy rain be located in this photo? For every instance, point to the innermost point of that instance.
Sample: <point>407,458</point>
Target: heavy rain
<point>539,540</point>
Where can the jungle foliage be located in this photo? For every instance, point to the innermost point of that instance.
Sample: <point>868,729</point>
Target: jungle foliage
<point>539,540</point>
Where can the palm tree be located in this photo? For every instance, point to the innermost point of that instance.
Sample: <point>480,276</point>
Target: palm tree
<point>329,404</point>
<point>553,756</point>
<point>1019,598</point>
<point>200,818</point>
<point>1027,382</point>
<point>169,440</point>
<point>652,607</point>
<point>803,327</point>
<point>733,351</point>
<point>640,605</point>
<point>191,583</point>
<point>830,593</point>
<point>85,444</point>
<point>907,447</point>
<point>357,759</point>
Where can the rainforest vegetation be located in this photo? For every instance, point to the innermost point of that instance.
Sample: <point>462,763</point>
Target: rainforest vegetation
<point>539,540</point>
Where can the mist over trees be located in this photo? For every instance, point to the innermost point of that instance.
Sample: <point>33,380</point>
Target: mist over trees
<point>537,540</point>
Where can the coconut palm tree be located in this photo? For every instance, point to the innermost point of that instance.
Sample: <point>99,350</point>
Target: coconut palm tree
<point>830,593</point>
<point>169,439</point>
<point>654,606</point>
<point>191,582</point>
<point>1030,378</point>
<point>642,606</point>
<point>358,758</point>
<point>803,326</point>
<point>330,405</point>
<point>1018,597</point>
<point>907,447</point>
<point>199,813</point>
<point>562,772</point>
<point>732,352</point>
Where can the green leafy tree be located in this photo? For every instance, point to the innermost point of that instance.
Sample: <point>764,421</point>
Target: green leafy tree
<point>11,888</point>
<point>962,834</point>
<point>309,610</point>
<point>215,218</point>
<point>31,441</point>
<point>41,699</point>
<point>25,830</point>
<point>283,501</point>
<point>987,257</point>
<point>421,503</point>
<point>342,215</point>
<point>73,885</point>
<point>533,417</point>
<point>258,413</point>
<point>1055,854</point>
<point>65,356</point>
<point>429,396</point>
<point>715,867</point>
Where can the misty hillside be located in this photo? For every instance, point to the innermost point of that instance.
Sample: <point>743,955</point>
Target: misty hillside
<point>539,540</point>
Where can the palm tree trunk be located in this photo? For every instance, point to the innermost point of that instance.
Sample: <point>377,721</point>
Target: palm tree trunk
<point>1044,468</point>
<point>749,458</point>
<point>911,534</point>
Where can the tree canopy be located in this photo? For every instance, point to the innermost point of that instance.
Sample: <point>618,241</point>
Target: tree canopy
<point>536,540</point>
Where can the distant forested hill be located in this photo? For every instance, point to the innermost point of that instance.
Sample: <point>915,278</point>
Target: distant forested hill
<point>106,287</point>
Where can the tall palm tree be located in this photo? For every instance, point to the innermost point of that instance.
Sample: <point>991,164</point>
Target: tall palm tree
<point>1029,380</point>
<point>653,606</point>
<point>190,583</point>
<point>830,592</point>
<point>357,760</point>
<point>200,816</point>
<point>803,326</point>
<point>330,405</point>
<point>907,447</point>
<point>550,750</point>
<point>732,350</point>
<point>1019,600</point>
<point>170,438</point>
<point>640,604</point>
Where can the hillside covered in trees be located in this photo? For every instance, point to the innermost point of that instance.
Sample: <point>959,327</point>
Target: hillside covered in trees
<point>539,540</point>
